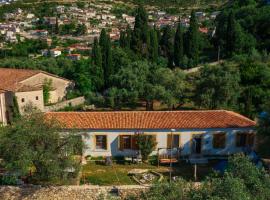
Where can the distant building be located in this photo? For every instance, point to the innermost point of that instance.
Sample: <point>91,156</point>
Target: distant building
<point>74,57</point>
<point>11,37</point>
<point>214,14</point>
<point>60,9</point>
<point>27,87</point>
<point>55,52</point>
<point>40,33</point>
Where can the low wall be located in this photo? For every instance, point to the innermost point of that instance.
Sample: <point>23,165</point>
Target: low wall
<point>84,192</point>
<point>72,102</point>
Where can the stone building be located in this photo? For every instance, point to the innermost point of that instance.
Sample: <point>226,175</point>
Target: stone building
<point>27,86</point>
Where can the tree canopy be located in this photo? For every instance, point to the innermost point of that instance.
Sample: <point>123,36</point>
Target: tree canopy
<point>33,143</point>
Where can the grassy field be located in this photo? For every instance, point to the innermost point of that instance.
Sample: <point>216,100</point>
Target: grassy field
<point>99,174</point>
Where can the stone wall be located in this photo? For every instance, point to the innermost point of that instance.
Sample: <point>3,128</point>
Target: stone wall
<point>85,192</point>
<point>72,102</point>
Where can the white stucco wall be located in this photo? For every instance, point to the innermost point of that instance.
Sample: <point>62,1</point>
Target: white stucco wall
<point>161,136</point>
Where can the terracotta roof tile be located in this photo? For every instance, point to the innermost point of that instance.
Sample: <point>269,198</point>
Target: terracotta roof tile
<point>11,78</point>
<point>152,120</point>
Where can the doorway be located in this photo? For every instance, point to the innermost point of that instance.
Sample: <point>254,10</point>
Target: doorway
<point>196,143</point>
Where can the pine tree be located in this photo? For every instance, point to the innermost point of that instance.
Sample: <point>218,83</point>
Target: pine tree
<point>178,46</point>
<point>193,40</point>
<point>153,47</point>
<point>167,45</point>
<point>96,70</point>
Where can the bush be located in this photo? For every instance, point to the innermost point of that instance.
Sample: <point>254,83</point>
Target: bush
<point>241,181</point>
<point>146,145</point>
<point>8,179</point>
<point>164,191</point>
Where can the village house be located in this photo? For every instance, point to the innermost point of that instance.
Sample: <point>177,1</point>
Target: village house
<point>55,52</point>
<point>209,133</point>
<point>39,33</point>
<point>27,87</point>
<point>74,57</point>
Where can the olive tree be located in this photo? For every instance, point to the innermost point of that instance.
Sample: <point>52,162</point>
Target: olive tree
<point>36,143</point>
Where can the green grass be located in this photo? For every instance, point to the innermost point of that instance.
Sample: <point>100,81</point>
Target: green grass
<point>117,174</point>
<point>99,174</point>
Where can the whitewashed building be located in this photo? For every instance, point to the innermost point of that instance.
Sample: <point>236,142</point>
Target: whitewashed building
<point>204,133</point>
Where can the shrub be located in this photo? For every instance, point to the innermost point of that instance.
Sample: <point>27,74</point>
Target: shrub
<point>164,191</point>
<point>146,145</point>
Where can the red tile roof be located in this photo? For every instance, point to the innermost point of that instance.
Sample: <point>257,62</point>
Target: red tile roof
<point>10,78</point>
<point>151,120</point>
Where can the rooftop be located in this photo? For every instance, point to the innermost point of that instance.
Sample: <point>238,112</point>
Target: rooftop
<point>11,78</point>
<point>152,119</point>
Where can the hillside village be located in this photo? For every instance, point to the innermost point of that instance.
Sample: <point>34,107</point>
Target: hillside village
<point>89,20</point>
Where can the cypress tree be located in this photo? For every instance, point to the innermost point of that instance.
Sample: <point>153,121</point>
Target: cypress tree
<point>159,39</point>
<point>231,34</point>
<point>193,43</point>
<point>178,46</point>
<point>153,48</point>
<point>128,37</point>
<point>103,46</point>
<point>97,70</point>
<point>140,33</point>
<point>167,45</point>
<point>122,40</point>
<point>56,26</point>
<point>102,38</point>
<point>108,67</point>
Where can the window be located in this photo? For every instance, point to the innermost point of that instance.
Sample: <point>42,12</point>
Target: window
<point>23,100</point>
<point>36,97</point>
<point>130,141</point>
<point>125,141</point>
<point>175,142</point>
<point>101,142</point>
<point>219,140</point>
<point>245,139</point>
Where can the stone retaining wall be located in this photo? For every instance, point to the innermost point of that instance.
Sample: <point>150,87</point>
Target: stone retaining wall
<point>85,192</point>
<point>72,102</point>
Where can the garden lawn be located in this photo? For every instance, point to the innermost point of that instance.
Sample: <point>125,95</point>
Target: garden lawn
<point>99,174</point>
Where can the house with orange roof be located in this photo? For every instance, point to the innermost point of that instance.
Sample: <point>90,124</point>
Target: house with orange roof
<point>27,86</point>
<point>203,133</point>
